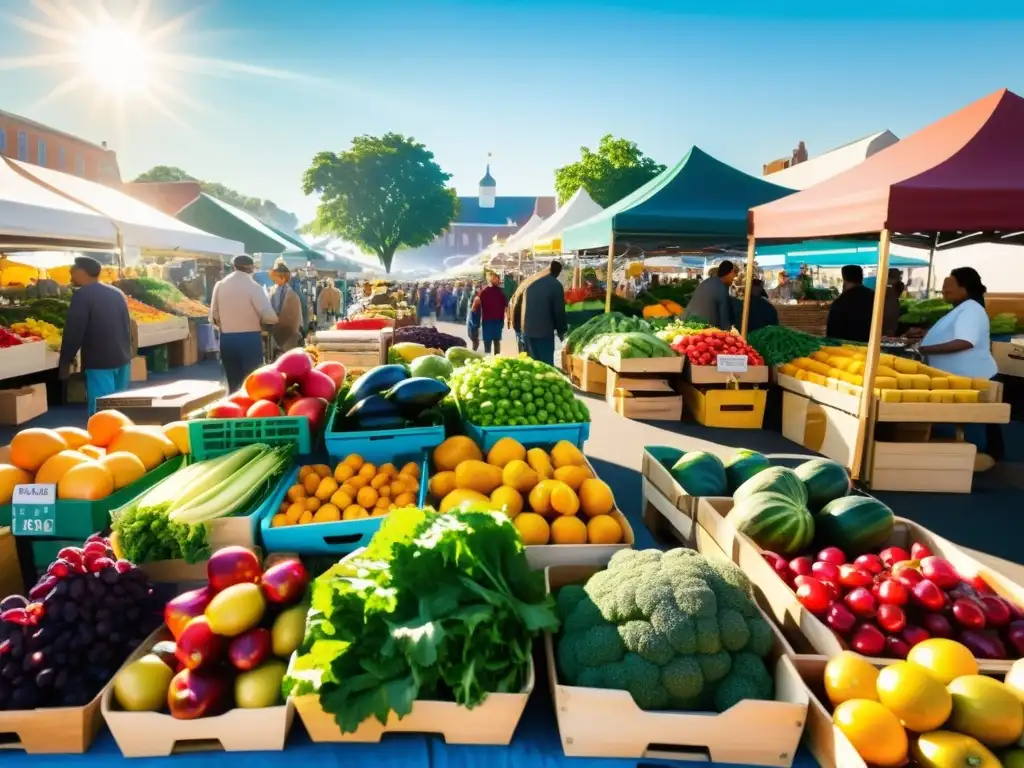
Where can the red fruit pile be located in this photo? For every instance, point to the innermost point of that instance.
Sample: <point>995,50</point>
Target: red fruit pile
<point>9,338</point>
<point>292,386</point>
<point>704,348</point>
<point>885,604</point>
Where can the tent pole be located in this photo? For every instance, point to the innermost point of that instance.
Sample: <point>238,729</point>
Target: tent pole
<point>867,394</point>
<point>931,261</point>
<point>611,266</point>
<point>748,285</point>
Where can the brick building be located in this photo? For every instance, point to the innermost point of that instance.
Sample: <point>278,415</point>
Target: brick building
<point>31,142</point>
<point>481,218</point>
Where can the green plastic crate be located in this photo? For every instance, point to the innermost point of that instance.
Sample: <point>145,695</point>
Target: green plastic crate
<point>157,358</point>
<point>77,520</point>
<point>209,438</point>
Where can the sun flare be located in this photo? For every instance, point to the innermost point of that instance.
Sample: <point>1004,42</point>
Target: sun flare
<point>114,58</point>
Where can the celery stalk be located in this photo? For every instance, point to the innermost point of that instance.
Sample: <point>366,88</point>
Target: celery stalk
<point>216,471</point>
<point>234,492</point>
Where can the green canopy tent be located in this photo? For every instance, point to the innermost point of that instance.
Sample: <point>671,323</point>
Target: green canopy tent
<point>218,218</point>
<point>698,203</point>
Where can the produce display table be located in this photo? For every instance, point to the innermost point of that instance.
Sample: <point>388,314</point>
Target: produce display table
<point>154,334</point>
<point>164,403</point>
<point>26,359</point>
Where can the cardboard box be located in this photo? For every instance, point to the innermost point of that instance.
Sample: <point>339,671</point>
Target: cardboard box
<point>185,351</point>
<point>20,405</point>
<point>139,369</point>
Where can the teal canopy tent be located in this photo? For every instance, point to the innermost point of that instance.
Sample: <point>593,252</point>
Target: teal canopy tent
<point>827,255</point>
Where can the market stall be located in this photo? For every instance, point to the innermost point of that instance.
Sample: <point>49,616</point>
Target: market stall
<point>547,238</point>
<point>926,191</point>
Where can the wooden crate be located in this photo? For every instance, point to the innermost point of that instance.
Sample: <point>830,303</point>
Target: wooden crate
<point>593,376</point>
<point>709,374</point>
<point>604,723</point>
<point>543,555</point>
<point>657,477</point>
<point>493,722</point>
<point>155,734</point>
<point>805,631</point>
<point>180,572</point>
<point>52,731</point>
<point>646,406</point>
<point>807,316</point>
<point>924,467</point>
<point>647,364</point>
<point>726,408</point>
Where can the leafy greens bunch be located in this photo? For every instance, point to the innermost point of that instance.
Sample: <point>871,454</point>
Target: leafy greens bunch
<point>436,607</point>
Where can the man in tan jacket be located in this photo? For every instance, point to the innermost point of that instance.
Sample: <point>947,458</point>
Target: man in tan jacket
<point>328,305</point>
<point>288,307</point>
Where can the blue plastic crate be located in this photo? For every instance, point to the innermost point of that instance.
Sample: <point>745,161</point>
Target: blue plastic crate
<point>381,445</point>
<point>337,538</point>
<point>547,434</point>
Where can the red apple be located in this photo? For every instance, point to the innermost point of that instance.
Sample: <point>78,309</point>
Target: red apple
<point>861,602</point>
<point>919,551</point>
<point>317,384</point>
<point>225,409</point>
<point>870,563</point>
<point>313,408</point>
<point>333,369</point>
<point>840,618</point>
<point>929,596</point>
<point>199,646</point>
<point>263,409</point>
<point>940,571</point>
<point>242,400</point>
<point>892,555</point>
<point>968,613</point>
<point>285,582</point>
<point>868,640</point>
<point>180,610</point>
<point>822,569</point>
<point>997,610</point>
<point>265,383</point>
<point>832,555</point>
<point>293,365</point>
<point>232,565</point>
<point>249,649</point>
<point>800,566</point>
<point>891,618</point>
<point>892,592</point>
<point>197,693</point>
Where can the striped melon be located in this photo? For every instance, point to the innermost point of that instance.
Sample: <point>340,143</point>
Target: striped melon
<point>825,480</point>
<point>774,522</point>
<point>778,480</point>
<point>743,465</point>
<point>700,474</point>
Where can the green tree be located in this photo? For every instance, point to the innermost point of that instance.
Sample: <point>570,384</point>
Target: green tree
<point>384,193</point>
<point>264,210</point>
<point>614,171</point>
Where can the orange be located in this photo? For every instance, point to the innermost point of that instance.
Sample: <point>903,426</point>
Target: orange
<point>310,483</point>
<point>30,448</point>
<point>568,530</point>
<point>11,476</point>
<point>348,489</point>
<point>124,467</point>
<point>850,676</point>
<point>358,482</point>
<point>74,437</point>
<point>874,731</point>
<point>89,481</point>
<point>915,696</point>
<point>533,528</point>
<point>604,529</point>
<point>595,497</point>
<point>305,517</point>
<point>367,497</point>
<point>343,472</point>
<point>397,487</point>
<point>412,468</point>
<point>177,433</point>
<point>294,512</point>
<point>148,446</point>
<point>379,480</point>
<point>279,521</point>
<point>368,470</point>
<point>166,444</point>
<point>284,506</point>
<point>93,452</point>
<point>53,468</point>
<point>322,470</point>
<point>354,512</point>
<point>508,499</point>
<point>411,483</point>
<point>945,659</point>
<point>405,500</point>
<point>104,426</point>
<point>540,496</point>
<point>304,472</point>
<point>312,503</point>
<point>296,492</point>
<point>383,502</point>
<point>328,513</point>
<point>572,475</point>
<point>384,491</point>
<point>340,499</point>
<point>326,488</point>
<point>387,469</point>
<point>354,460</point>
<point>564,500</point>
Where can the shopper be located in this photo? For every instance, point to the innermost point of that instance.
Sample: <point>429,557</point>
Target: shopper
<point>239,308</point>
<point>492,314</point>
<point>328,304</point>
<point>98,325</point>
<point>544,315</point>
<point>849,317</point>
<point>762,312</point>
<point>894,289</point>
<point>473,323</point>
<point>710,301</point>
<point>288,308</point>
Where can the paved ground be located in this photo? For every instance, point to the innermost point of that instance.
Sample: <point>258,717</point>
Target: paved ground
<point>983,521</point>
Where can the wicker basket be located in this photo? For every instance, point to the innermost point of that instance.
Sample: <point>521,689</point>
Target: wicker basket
<point>807,316</point>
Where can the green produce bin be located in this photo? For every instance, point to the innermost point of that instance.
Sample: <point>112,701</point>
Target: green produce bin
<point>157,359</point>
<point>209,438</point>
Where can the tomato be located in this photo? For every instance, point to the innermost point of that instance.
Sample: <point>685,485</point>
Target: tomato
<point>832,555</point>
<point>851,576</point>
<point>813,595</point>
<point>861,602</point>
<point>825,570</point>
<point>892,592</point>
<point>891,618</point>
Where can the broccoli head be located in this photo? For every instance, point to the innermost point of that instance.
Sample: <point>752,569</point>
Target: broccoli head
<point>673,629</point>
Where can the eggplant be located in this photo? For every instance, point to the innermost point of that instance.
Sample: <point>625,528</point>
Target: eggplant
<point>374,406</point>
<point>375,382</point>
<point>381,422</point>
<point>417,394</point>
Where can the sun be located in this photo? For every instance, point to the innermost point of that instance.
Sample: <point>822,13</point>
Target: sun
<point>114,57</point>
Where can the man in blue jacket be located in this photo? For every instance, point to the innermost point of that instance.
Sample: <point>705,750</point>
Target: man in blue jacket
<point>543,315</point>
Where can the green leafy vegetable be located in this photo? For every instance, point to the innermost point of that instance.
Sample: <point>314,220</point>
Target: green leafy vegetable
<point>436,607</point>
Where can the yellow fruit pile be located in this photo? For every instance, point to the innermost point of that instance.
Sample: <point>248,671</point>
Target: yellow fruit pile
<point>934,708</point>
<point>90,464</point>
<point>353,490</point>
<point>897,379</point>
<point>543,493</point>
<point>48,332</point>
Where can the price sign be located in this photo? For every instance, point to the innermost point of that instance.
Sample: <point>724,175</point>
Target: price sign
<point>34,510</point>
<point>732,363</point>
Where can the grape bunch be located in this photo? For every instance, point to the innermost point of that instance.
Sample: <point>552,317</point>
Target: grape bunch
<point>64,642</point>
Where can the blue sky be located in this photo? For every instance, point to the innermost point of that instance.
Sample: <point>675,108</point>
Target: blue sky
<point>527,80</point>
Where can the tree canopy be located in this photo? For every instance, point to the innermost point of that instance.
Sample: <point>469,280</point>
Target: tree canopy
<point>614,171</point>
<point>384,193</point>
<point>264,210</point>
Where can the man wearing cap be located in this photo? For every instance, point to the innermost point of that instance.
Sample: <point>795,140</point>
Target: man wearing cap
<point>239,308</point>
<point>98,325</point>
<point>288,306</point>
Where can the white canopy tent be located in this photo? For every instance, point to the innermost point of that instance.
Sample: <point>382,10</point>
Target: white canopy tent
<point>578,208</point>
<point>520,241</point>
<point>139,225</point>
<point>32,216</point>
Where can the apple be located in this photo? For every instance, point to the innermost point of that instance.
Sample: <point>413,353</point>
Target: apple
<point>266,383</point>
<point>263,409</point>
<point>333,369</point>
<point>225,409</point>
<point>180,610</point>
<point>293,365</point>
<point>313,408</point>
<point>232,565</point>
<point>199,646</point>
<point>242,400</point>
<point>285,582</point>
<point>317,384</point>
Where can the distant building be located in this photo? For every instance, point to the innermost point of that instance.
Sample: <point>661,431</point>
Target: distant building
<point>481,218</point>
<point>799,155</point>
<point>31,142</point>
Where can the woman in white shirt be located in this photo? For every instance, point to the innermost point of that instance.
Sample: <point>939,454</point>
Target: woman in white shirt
<point>959,343</point>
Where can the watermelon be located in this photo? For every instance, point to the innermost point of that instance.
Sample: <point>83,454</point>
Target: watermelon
<point>855,524</point>
<point>825,480</point>
<point>777,479</point>
<point>700,474</point>
<point>774,522</point>
<point>742,466</point>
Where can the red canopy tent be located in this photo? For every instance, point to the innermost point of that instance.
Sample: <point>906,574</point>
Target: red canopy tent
<point>958,180</point>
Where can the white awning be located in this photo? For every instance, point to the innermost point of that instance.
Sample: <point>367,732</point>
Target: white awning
<point>141,226</point>
<point>32,216</point>
<point>577,209</point>
<point>520,241</point>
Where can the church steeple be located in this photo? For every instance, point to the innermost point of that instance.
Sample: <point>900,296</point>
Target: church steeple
<point>488,188</point>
